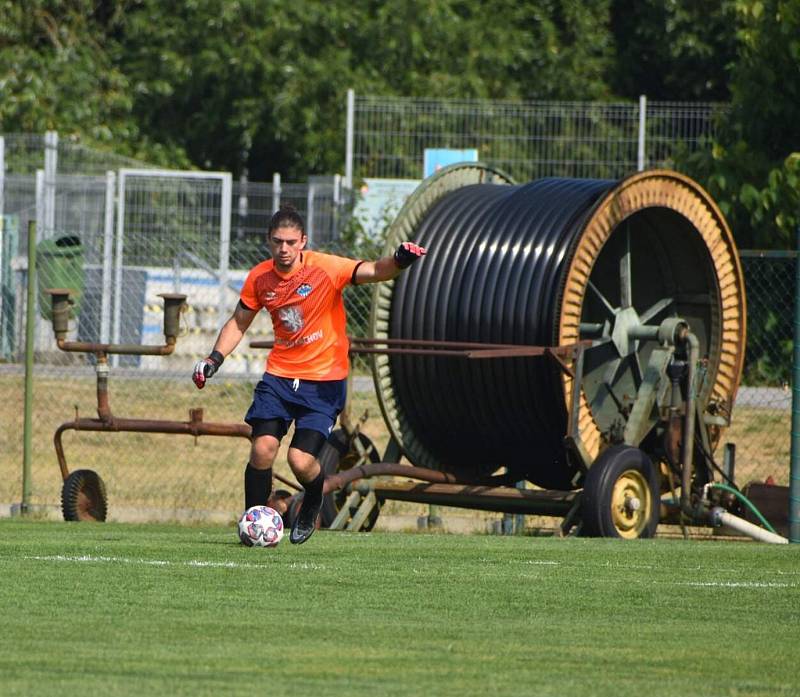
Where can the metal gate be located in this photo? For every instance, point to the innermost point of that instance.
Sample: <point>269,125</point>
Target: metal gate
<point>172,235</point>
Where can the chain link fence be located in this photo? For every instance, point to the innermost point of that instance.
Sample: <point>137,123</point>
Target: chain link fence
<point>761,427</point>
<point>528,140</point>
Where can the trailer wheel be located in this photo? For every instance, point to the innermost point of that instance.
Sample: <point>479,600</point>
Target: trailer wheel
<point>83,497</point>
<point>620,495</point>
<point>337,456</point>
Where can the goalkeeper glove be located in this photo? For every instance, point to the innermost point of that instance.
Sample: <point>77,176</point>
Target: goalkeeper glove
<point>407,253</point>
<point>206,368</point>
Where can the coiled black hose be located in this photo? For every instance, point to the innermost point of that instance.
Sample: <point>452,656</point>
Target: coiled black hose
<point>494,273</point>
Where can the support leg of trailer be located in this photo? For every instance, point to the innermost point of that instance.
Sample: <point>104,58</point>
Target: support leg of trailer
<point>569,519</point>
<point>368,502</point>
<point>350,504</point>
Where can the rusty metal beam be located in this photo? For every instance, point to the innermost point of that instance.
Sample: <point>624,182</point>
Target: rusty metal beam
<point>497,499</point>
<point>378,469</point>
<point>457,349</point>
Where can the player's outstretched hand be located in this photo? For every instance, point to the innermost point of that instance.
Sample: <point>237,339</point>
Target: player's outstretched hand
<point>205,368</point>
<point>407,253</point>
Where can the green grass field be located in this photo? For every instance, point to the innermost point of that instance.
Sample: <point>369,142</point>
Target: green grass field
<point>119,609</point>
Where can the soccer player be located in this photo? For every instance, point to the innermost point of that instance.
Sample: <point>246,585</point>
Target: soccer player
<point>306,371</point>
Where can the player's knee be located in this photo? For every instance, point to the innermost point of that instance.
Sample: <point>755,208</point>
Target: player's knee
<point>263,451</point>
<point>307,441</point>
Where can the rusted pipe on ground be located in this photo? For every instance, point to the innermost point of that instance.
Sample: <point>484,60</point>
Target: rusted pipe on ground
<point>376,469</point>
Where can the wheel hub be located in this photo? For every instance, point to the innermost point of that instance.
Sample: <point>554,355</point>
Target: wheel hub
<point>624,321</point>
<point>630,504</point>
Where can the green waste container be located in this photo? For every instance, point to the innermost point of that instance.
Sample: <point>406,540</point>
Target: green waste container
<point>59,264</point>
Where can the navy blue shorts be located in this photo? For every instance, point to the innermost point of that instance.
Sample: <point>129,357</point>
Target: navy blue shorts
<point>312,404</point>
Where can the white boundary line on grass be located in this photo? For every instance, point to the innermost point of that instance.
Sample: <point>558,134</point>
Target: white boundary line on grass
<point>736,584</point>
<point>163,562</point>
<point>195,563</point>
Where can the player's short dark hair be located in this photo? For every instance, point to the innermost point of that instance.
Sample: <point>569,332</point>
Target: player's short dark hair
<point>286,216</point>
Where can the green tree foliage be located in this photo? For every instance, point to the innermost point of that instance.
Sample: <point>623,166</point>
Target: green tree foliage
<point>261,84</point>
<point>55,71</point>
<point>673,50</point>
<point>753,171</point>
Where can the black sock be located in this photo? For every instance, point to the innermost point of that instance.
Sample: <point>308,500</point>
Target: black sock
<point>313,489</point>
<point>257,486</point>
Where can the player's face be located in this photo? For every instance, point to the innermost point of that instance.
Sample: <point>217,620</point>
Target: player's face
<point>285,245</point>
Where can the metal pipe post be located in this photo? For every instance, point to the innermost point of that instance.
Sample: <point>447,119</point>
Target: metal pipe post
<point>276,192</point>
<point>224,240</point>
<point>30,319</point>
<point>2,174</point>
<point>108,258</point>
<point>794,467</point>
<point>349,139</point>
<point>310,214</point>
<point>50,173</point>
<point>640,159</point>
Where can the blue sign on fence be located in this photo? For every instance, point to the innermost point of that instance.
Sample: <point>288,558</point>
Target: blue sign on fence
<point>436,158</point>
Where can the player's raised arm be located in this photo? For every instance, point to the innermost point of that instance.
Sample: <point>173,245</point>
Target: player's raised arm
<point>387,268</point>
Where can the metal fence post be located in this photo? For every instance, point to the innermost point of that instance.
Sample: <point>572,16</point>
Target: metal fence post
<point>108,259</point>
<point>39,194</point>
<point>3,260</point>
<point>348,156</point>
<point>276,192</point>
<point>310,215</point>
<point>30,314</point>
<point>794,467</point>
<point>225,240</point>
<point>243,204</point>
<point>2,175</point>
<point>337,202</point>
<point>50,171</point>
<point>118,257</point>
<point>640,158</point>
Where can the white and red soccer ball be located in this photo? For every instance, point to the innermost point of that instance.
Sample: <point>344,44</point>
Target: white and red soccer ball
<point>260,526</point>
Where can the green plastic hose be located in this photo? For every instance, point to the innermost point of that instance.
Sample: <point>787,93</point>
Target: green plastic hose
<point>747,502</point>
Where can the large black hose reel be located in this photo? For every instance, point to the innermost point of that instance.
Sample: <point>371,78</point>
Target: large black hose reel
<point>548,263</point>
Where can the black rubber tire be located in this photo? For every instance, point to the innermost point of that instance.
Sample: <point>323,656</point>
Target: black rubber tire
<point>83,497</point>
<point>619,471</point>
<point>335,457</point>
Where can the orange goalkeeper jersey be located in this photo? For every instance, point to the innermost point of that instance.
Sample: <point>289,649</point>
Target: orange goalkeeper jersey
<point>307,313</point>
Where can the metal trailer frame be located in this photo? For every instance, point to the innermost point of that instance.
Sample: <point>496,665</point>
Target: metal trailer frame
<point>367,479</point>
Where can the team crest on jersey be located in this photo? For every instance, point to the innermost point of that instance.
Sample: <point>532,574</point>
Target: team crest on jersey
<point>292,317</point>
<point>304,290</point>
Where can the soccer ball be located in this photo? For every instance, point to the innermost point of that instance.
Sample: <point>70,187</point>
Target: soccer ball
<point>260,526</point>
